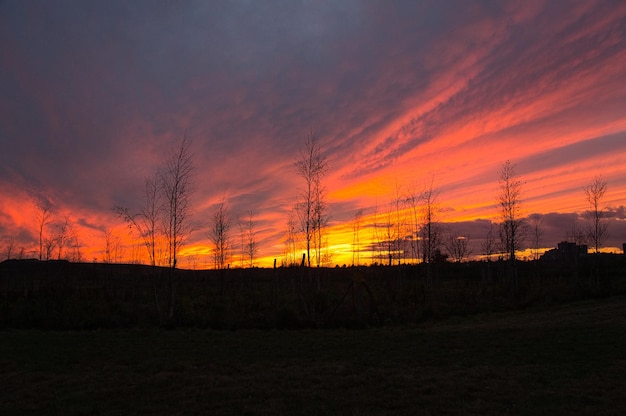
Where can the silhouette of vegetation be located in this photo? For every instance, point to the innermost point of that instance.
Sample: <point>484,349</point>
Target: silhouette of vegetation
<point>177,185</point>
<point>146,222</point>
<point>251,246</point>
<point>597,230</point>
<point>219,235</point>
<point>312,166</point>
<point>43,216</point>
<point>510,201</point>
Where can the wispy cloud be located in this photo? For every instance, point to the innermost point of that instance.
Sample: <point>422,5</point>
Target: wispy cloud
<point>92,94</point>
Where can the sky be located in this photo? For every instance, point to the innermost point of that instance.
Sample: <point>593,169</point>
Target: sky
<point>400,94</point>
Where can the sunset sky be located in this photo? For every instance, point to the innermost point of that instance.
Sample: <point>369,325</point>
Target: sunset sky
<point>93,94</point>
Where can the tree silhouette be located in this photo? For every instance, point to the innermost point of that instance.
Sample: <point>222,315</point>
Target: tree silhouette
<point>457,247</point>
<point>43,216</point>
<point>177,187</point>
<point>488,245</point>
<point>146,221</point>
<point>252,246</point>
<point>510,211</point>
<point>356,242</point>
<point>598,228</point>
<point>220,235</point>
<point>430,231</point>
<point>64,234</point>
<point>291,236</point>
<point>312,165</point>
<point>9,247</point>
<point>413,201</point>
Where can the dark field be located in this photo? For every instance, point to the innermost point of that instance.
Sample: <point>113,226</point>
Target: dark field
<point>567,359</point>
<point>86,296</point>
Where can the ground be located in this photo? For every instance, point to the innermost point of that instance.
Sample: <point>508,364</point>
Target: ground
<point>566,359</point>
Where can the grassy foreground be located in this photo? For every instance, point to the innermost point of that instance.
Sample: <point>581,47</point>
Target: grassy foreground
<point>569,359</point>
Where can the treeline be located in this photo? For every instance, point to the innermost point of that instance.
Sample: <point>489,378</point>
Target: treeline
<point>409,229</point>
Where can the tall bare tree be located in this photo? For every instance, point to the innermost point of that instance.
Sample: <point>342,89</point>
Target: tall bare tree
<point>177,187</point>
<point>389,234</point>
<point>220,235</point>
<point>312,166</point>
<point>356,242</point>
<point>146,222</point>
<point>64,234</point>
<point>598,227</point>
<point>320,220</point>
<point>510,202</point>
<point>252,245</point>
<point>291,237</point>
<point>43,216</point>
<point>400,225</point>
<point>413,202</point>
<point>431,229</point>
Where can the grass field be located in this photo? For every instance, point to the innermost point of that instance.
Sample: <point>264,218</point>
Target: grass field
<point>569,359</point>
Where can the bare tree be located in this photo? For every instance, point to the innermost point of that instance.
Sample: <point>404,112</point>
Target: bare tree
<point>535,222</point>
<point>389,234</point>
<point>510,208</point>
<point>312,165</point>
<point>413,201</point>
<point>457,247</point>
<point>576,234</point>
<point>356,243</point>
<point>377,249</point>
<point>9,247</point>
<point>64,232</point>
<point>242,237</point>
<point>74,255</point>
<point>291,238</point>
<point>510,201</point>
<point>489,243</point>
<point>252,246</point>
<point>43,216</point>
<point>219,235</point>
<point>431,230</point>
<point>113,246</point>
<point>177,187</point>
<point>147,220</point>
<point>320,220</point>
<point>598,227</point>
<point>400,225</point>
<point>49,244</point>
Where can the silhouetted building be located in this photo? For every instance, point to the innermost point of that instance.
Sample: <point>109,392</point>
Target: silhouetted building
<point>565,251</point>
<point>624,248</point>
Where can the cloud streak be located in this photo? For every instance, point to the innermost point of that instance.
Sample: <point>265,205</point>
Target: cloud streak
<point>92,95</point>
